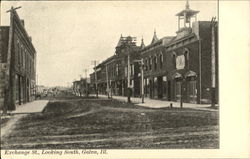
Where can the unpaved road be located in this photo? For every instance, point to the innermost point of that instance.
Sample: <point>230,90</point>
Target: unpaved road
<point>111,124</point>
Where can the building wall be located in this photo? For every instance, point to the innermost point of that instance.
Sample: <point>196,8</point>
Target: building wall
<point>161,81</point>
<point>198,60</point>
<point>206,47</point>
<point>4,38</point>
<point>21,63</point>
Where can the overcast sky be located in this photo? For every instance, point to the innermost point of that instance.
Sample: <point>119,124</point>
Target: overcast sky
<point>69,35</point>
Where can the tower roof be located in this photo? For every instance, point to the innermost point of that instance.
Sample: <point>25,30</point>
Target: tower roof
<point>154,38</point>
<point>142,44</point>
<point>120,41</point>
<point>187,10</point>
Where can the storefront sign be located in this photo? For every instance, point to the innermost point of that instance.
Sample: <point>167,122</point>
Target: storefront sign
<point>180,62</point>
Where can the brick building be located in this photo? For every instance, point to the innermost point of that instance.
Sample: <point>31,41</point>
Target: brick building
<point>81,87</point>
<point>112,74</point>
<point>18,64</point>
<point>182,67</point>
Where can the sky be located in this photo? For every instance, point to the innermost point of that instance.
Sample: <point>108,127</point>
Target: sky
<point>67,35</point>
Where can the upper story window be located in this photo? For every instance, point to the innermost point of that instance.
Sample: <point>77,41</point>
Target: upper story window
<point>146,64</point>
<point>22,56</point>
<point>161,60</point>
<point>19,53</point>
<point>186,54</point>
<point>150,63</point>
<point>174,59</point>
<point>155,62</point>
<point>117,69</point>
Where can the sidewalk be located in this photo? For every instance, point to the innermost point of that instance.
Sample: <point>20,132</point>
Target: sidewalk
<point>21,111</point>
<point>153,103</point>
<point>30,107</point>
<point>36,106</point>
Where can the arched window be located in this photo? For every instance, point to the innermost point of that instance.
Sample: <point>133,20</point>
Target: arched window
<point>150,63</point>
<point>174,59</point>
<point>186,54</point>
<point>155,62</point>
<point>19,53</point>
<point>146,64</point>
<point>22,55</point>
<point>161,59</point>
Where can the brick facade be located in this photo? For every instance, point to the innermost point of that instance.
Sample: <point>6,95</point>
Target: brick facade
<point>175,68</point>
<point>19,56</point>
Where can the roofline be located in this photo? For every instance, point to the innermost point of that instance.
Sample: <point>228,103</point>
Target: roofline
<point>153,44</point>
<point>24,30</point>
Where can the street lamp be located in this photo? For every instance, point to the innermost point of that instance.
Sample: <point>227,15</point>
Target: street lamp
<point>142,78</point>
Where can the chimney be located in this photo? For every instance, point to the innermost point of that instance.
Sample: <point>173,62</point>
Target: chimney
<point>22,22</point>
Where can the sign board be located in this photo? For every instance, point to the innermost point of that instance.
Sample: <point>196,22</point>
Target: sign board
<point>180,62</point>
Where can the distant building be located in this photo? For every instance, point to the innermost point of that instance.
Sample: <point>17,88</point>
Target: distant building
<point>18,64</point>
<point>112,74</point>
<point>81,87</point>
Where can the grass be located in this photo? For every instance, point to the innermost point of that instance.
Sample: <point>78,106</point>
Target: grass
<point>89,123</point>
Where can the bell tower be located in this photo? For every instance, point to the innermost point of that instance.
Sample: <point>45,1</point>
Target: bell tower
<point>185,18</point>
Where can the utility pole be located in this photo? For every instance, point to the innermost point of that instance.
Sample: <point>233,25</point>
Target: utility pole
<point>128,92</point>
<point>8,103</point>
<point>86,89</point>
<point>181,101</point>
<point>213,62</point>
<point>80,85</point>
<point>96,89</point>
<point>36,85</point>
<point>130,43</point>
<point>107,80</point>
<point>142,78</point>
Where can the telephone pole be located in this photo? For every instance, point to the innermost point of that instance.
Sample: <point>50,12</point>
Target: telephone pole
<point>8,103</point>
<point>96,89</point>
<point>213,62</point>
<point>129,101</point>
<point>107,80</point>
<point>142,78</point>
<point>86,89</point>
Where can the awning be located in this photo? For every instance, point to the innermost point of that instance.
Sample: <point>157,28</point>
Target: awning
<point>177,75</point>
<point>190,74</point>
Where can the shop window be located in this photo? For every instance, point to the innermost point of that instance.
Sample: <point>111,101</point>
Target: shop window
<point>178,90</point>
<point>126,71</point>
<point>17,87</point>
<point>164,84</point>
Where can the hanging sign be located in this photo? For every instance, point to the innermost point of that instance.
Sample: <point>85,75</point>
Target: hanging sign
<point>180,62</point>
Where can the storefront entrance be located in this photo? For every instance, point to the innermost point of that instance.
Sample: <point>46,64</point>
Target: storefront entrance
<point>192,92</point>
